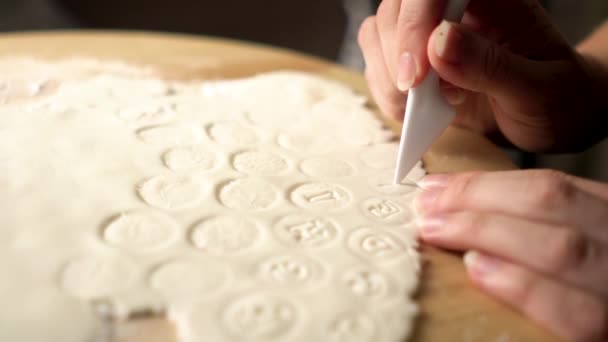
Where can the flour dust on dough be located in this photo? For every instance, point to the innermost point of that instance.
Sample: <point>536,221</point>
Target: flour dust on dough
<point>256,209</point>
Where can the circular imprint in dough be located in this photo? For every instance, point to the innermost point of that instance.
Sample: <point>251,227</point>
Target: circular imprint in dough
<point>259,163</point>
<point>232,133</point>
<point>96,277</point>
<point>150,115</point>
<point>248,194</point>
<point>306,230</point>
<point>376,245</point>
<point>260,316</point>
<point>141,230</point>
<point>292,271</point>
<point>189,278</point>
<point>171,135</point>
<point>386,211</point>
<point>352,327</point>
<point>306,142</point>
<point>381,156</point>
<point>326,168</point>
<point>368,283</point>
<point>320,196</point>
<point>383,183</point>
<point>190,158</point>
<point>171,192</point>
<point>225,235</point>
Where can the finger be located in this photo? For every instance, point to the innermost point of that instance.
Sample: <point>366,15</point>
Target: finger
<point>390,101</point>
<point>417,19</point>
<point>534,33</point>
<point>472,62</point>
<point>565,253</point>
<point>454,95</point>
<point>567,312</point>
<point>473,111</point>
<point>595,188</point>
<point>386,21</point>
<point>514,82</point>
<point>542,195</point>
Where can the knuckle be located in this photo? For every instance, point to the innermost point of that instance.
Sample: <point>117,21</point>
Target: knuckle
<point>566,251</point>
<point>459,189</point>
<point>409,19</point>
<point>492,63</point>
<point>552,189</point>
<point>366,31</point>
<point>470,224</point>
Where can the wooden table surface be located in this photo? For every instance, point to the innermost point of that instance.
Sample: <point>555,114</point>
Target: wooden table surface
<point>451,309</point>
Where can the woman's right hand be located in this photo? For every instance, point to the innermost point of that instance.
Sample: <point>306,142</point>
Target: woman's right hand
<point>506,69</point>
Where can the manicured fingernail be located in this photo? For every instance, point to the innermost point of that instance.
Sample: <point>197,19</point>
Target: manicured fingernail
<point>446,43</point>
<point>406,72</point>
<point>426,200</point>
<point>434,181</point>
<point>431,225</point>
<point>480,266</point>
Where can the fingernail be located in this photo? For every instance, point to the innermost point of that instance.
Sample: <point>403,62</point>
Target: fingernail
<point>447,43</point>
<point>480,266</point>
<point>454,95</point>
<point>426,200</point>
<point>431,225</point>
<point>434,181</point>
<point>406,72</point>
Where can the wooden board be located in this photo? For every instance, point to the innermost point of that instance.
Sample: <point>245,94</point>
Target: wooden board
<point>451,309</point>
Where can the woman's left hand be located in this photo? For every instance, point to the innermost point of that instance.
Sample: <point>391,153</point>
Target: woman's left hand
<point>537,240</point>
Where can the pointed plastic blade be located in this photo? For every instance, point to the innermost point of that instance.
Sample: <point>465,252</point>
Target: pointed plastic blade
<point>427,115</point>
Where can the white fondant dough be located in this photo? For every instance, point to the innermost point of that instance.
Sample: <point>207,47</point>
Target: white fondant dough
<point>258,209</point>
<point>141,231</point>
<point>326,168</point>
<point>195,158</point>
<point>248,194</point>
<point>259,162</point>
<point>188,279</point>
<point>225,235</point>
<point>302,230</point>
<point>171,135</point>
<point>172,192</point>
<point>97,277</point>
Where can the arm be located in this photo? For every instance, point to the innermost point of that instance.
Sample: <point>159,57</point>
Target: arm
<point>507,70</point>
<point>596,45</point>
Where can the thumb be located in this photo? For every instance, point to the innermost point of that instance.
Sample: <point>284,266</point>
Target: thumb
<point>474,63</point>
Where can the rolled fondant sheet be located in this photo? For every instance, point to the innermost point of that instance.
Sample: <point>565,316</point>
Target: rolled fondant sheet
<point>255,209</point>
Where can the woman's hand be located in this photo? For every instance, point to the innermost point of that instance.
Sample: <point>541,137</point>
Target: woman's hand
<point>506,69</point>
<point>537,240</point>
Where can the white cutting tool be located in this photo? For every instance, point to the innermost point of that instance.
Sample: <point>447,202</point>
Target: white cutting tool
<point>427,114</point>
